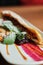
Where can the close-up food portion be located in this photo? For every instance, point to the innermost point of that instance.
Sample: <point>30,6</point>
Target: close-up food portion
<point>16,31</point>
<point>19,31</point>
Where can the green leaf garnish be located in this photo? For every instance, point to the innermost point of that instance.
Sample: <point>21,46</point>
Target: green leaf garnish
<point>7,22</point>
<point>21,36</point>
<point>15,29</point>
<point>10,39</point>
<point>11,27</point>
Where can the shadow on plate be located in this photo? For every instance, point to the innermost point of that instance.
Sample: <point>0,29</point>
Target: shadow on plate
<point>3,62</point>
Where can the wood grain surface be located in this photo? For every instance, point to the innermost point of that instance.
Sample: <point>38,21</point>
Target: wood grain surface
<point>34,14</point>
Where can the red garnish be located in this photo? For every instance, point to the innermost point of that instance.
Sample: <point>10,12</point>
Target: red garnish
<point>33,51</point>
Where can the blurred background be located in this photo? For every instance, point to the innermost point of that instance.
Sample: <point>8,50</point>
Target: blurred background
<point>20,2</point>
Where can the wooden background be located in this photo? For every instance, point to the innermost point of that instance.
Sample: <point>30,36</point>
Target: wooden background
<point>34,14</point>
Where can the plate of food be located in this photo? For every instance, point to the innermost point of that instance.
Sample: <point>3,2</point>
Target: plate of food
<point>20,41</point>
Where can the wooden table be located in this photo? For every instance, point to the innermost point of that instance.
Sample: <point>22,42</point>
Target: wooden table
<point>34,14</point>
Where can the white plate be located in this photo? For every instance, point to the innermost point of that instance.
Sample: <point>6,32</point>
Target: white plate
<point>15,57</point>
